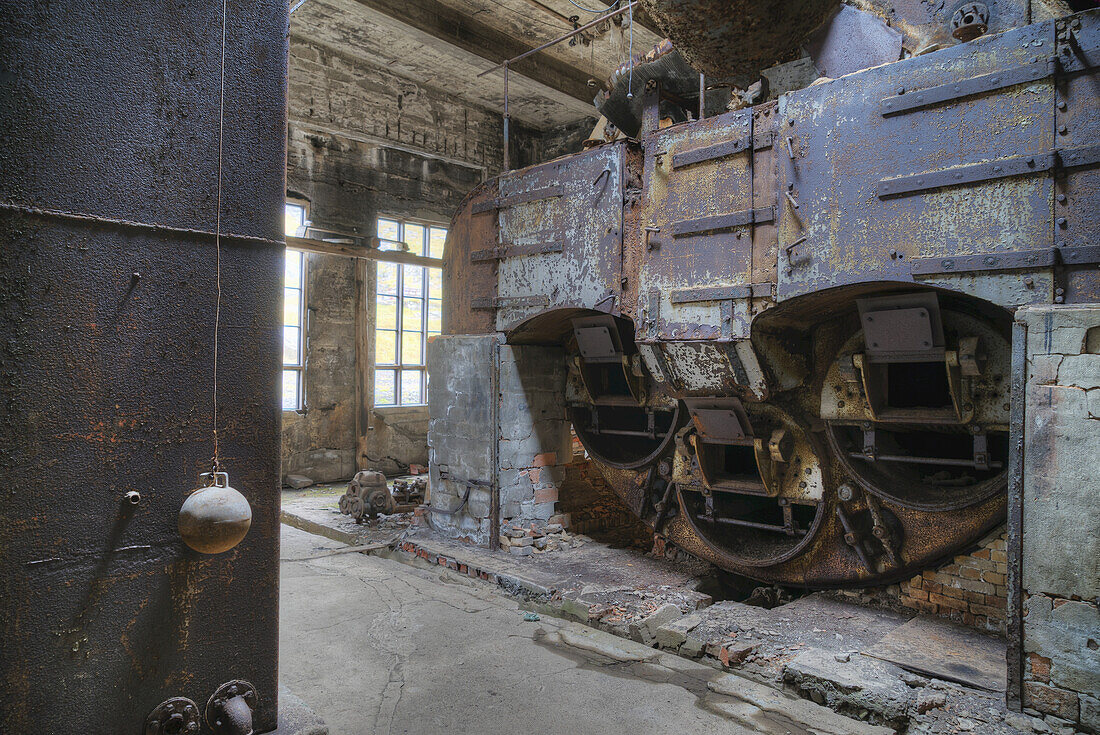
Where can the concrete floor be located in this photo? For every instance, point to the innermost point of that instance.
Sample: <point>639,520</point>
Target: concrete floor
<point>378,647</point>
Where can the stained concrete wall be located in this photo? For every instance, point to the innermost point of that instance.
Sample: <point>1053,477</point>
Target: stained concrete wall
<point>1060,523</point>
<point>524,449</point>
<point>363,143</point>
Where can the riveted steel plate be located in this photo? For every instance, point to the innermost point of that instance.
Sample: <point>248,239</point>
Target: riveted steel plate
<point>583,217</point>
<point>842,148</point>
<point>708,223</point>
<point>1077,128</point>
<point>719,420</point>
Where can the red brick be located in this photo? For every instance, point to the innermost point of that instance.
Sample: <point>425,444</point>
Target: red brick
<point>999,557</point>
<point>981,554</point>
<point>931,587</point>
<point>954,592</point>
<point>1051,700</point>
<point>993,577</point>
<point>546,459</point>
<point>949,602</point>
<point>1038,667</point>
<point>970,573</point>
<point>915,595</point>
<point>923,605</point>
<point>994,601</point>
<point>916,581</point>
<point>546,494</point>
<point>991,612</point>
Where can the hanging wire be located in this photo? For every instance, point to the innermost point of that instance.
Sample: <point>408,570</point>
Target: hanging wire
<point>216,463</point>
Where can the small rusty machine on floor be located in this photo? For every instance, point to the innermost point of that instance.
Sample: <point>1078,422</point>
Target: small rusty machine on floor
<point>787,325</point>
<point>368,495</point>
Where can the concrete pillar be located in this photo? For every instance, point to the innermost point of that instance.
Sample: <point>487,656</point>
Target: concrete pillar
<point>518,451</point>
<point>1058,523</point>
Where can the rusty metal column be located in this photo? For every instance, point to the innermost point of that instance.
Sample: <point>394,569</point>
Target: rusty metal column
<point>108,209</point>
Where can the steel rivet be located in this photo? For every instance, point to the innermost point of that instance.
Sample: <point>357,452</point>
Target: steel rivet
<point>1059,299</point>
<point>1061,221</point>
<point>1061,198</point>
<point>1062,104</point>
<point>901,90</point>
<point>1063,130</point>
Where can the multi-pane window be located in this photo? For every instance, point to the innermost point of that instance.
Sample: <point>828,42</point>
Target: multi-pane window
<point>294,313</point>
<point>408,310</point>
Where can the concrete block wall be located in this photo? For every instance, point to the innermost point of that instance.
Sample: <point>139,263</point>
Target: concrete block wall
<point>1060,532</point>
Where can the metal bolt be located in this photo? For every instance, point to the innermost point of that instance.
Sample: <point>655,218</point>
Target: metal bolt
<point>133,497</point>
<point>1063,130</point>
<point>1029,282</point>
<point>1059,291</point>
<point>1061,104</point>
<point>1059,299</point>
<point>901,90</point>
<point>1061,221</point>
<point>1061,198</point>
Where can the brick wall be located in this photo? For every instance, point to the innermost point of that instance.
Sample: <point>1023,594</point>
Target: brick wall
<point>970,589</point>
<point>1062,659</point>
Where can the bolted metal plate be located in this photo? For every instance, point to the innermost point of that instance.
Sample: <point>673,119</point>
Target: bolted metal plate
<point>595,343</point>
<point>575,204</point>
<point>846,157</point>
<point>720,420</point>
<point>897,330</point>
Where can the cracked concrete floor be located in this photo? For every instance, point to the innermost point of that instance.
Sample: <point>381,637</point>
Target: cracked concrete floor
<point>378,647</point>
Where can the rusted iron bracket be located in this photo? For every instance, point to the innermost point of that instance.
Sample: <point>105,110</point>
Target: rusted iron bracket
<point>910,101</point>
<point>548,192</point>
<point>487,304</point>
<point>510,251</point>
<point>1021,260</point>
<point>987,171</point>
<point>722,293</point>
<point>720,150</point>
<point>722,221</point>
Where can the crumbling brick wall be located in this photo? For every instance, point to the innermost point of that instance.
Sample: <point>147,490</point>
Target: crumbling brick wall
<point>971,589</point>
<point>1060,529</point>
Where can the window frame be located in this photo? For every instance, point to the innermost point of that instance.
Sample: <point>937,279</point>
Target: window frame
<point>299,368</point>
<point>400,368</point>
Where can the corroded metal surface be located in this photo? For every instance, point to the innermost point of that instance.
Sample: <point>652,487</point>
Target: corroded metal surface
<point>824,287</point>
<point>737,39</point>
<point>105,360</point>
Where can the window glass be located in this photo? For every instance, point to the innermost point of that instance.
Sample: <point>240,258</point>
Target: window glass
<point>385,387</point>
<point>436,240</point>
<point>385,348</point>
<point>294,222</point>
<point>411,348</point>
<point>413,280</point>
<point>408,308</point>
<point>294,280</point>
<point>414,238</point>
<point>388,274</point>
<point>410,387</point>
<point>290,389</point>
<point>385,314</point>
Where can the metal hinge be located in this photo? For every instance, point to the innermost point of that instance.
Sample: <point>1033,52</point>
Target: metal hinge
<point>722,150</point>
<point>1021,260</point>
<point>722,221</point>
<point>723,293</point>
<point>1038,69</point>
<point>510,251</point>
<point>987,171</point>
<point>547,192</point>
